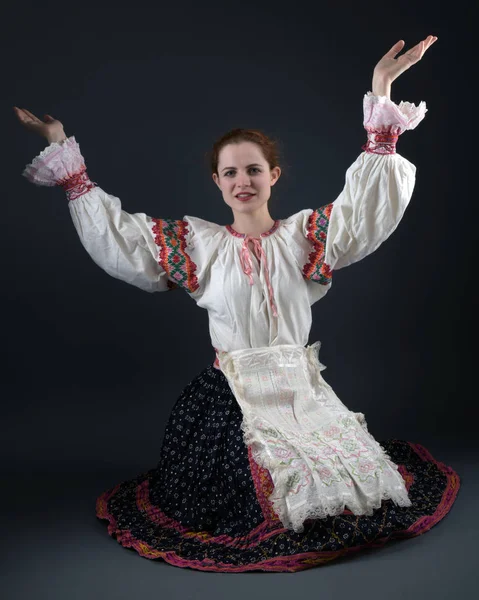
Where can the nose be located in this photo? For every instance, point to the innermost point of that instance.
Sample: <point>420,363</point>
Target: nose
<point>243,180</point>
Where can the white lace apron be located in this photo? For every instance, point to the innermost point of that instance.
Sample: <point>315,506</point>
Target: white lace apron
<point>320,455</point>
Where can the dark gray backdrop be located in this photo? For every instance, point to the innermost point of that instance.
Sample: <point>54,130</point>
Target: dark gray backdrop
<point>91,365</point>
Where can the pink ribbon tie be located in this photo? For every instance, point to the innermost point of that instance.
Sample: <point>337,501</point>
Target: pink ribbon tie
<point>247,265</point>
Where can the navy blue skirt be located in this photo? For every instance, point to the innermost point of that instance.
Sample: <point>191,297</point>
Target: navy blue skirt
<point>205,505</point>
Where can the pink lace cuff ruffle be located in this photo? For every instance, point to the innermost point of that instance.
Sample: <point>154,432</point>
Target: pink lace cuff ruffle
<point>385,121</point>
<point>60,164</point>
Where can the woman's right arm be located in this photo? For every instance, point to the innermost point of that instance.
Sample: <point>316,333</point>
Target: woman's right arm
<point>122,244</point>
<point>146,252</point>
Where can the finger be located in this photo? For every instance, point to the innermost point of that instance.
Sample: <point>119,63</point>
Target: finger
<point>431,41</point>
<point>428,42</point>
<point>24,118</point>
<point>414,51</point>
<point>394,49</point>
<point>32,116</point>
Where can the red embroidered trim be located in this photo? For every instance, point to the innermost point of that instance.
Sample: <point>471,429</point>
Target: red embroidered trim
<point>155,515</point>
<point>170,237</point>
<point>262,532</point>
<point>76,185</point>
<point>316,269</point>
<point>265,234</point>
<point>380,141</point>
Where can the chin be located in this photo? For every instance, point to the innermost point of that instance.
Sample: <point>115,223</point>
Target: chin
<point>256,202</point>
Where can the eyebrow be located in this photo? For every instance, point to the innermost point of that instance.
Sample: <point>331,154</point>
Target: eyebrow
<point>247,166</point>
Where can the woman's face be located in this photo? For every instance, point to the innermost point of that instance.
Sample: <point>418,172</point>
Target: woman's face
<point>242,168</point>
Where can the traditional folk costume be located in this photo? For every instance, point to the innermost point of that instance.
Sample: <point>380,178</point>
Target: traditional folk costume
<point>262,466</point>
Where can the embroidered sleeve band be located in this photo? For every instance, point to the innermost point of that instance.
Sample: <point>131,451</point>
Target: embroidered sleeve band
<point>385,121</point>
<point>170,237</point>
<point>62,164</point>
<point>317,230</point>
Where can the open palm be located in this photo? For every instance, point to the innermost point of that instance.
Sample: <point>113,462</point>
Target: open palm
<point>49,128</point>
<point>389,67</point>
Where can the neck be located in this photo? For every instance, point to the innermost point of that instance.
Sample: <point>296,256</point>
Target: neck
<point>253,224</point>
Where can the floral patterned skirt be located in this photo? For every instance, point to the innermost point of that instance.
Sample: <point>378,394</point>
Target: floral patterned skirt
<point>205,505</point>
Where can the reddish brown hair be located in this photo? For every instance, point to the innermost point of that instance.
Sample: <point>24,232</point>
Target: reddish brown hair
<point>268,146</point>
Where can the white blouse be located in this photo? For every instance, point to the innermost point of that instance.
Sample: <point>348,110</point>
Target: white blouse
<point>259,293</point>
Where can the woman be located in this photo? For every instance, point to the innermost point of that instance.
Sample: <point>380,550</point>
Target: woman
<point>262,466</point>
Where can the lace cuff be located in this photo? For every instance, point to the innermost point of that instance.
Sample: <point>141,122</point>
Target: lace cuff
<point>385,121</point>
<point>62,164</point>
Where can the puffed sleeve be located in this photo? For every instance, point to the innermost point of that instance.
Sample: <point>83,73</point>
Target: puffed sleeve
<point>377,191</point>
<point>149,253</point>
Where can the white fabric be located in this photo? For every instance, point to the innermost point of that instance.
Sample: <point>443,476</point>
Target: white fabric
<point>320,455</point>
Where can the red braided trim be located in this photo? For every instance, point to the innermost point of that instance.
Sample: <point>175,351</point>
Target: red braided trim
<point>380,142</point>
<point>76,185</point>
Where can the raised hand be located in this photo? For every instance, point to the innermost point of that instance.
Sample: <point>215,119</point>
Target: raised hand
<point>389,68</point>
<point>51,129</point>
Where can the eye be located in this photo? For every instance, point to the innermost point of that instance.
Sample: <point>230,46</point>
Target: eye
<point>251,169</point>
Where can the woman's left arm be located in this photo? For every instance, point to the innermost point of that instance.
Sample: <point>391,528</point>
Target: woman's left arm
<point>379,184</point>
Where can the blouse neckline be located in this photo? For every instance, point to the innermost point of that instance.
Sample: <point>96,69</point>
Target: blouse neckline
<point>264,234</point>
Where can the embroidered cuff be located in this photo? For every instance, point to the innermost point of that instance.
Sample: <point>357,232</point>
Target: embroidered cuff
<point>385,121</point>
<point>62,164</point>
